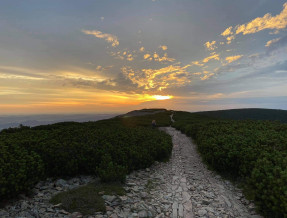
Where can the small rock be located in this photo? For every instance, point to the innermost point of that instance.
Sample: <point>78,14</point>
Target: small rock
<point>109,198</point>
<point>59,188</point>
<point>61,183</point>
<point>57,205</point>
<point>202,212</point>
<point>108,208</point>
<point>114,215</point>
<point>25,214</point>
<point>142,213</point>
<point>64,212</point>
<point>123,198</point>
<point>40,194</point>
<point>144,194</point>
<point>76,215</point>
<point>24,205</point>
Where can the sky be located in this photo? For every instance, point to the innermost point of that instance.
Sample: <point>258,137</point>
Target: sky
<point>107,56</point>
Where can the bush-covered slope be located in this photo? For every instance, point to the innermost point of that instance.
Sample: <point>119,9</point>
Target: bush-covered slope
<point>107,148</point>
<point>253,151</point>
<point>248,114</point>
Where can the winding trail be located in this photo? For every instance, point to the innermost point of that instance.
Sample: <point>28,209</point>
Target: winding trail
<point>196,191</point>
<point>184,187</point>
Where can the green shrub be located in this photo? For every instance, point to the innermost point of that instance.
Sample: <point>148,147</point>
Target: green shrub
<point>19,170</point>
<point>268,180</point>
<point>109,171</point>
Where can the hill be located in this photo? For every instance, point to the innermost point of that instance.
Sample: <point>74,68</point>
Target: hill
<point>248,114</point>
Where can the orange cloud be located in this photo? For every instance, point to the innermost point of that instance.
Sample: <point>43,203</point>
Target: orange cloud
<point>197,63</point>
<point>163,47</point>
<point>258,24</point>
<point>106,36</point>
<point>270,42</point>
<point>212,57</point>
<point>163,58</point>
<point>266,22</point>
<point>146,56</point>
<point>229,39</point>
<point>233,58</point>
<point>210,45</point>
<point>157,79</point>
<point>227,32</point>
<point>207,75</point>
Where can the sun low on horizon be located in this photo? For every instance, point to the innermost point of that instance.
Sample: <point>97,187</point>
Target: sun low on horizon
<point>114,56</point>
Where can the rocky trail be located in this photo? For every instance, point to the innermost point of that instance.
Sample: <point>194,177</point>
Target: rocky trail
<point>182,187</point>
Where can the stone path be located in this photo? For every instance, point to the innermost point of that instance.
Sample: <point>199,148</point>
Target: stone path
<point>182,187</point>
<point>196,191</point>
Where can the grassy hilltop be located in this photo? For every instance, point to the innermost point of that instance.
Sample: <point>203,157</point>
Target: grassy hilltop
<point>248,145</point>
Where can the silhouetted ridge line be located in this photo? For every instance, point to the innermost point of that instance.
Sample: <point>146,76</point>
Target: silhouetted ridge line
<point>248,113</point>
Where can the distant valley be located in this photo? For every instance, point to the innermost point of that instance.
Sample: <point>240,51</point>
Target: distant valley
<point>45,119</point>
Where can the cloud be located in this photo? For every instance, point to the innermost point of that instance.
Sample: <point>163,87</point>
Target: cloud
<point>207,75</point>
<point>146,56</point>
<point>210,45</point>
<point>197,63</point>
<point>229,39</point>
<point>215,57</point>
<point>12,72</point>
<point>266,22</point>
<point>270,42</point>
<point>163,47</point>
<point>108,37</point>
<point>123,55</point>
<point>276,45</point>
<point>157,79</point>
<point>233,58</point>
<point>258,24</point>
<point>157,58</point>
<point>227,32</point>
<point>163,58</point>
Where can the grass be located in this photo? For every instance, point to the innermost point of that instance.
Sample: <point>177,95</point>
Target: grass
<point>87,199</point>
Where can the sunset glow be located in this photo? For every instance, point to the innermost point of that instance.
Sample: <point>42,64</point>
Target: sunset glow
<point>98,56</point>
<point>160,97</point>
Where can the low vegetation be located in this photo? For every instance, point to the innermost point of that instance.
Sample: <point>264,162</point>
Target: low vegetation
<point>108,148</point>
<point>254,152</point>
<point>87,199</point>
